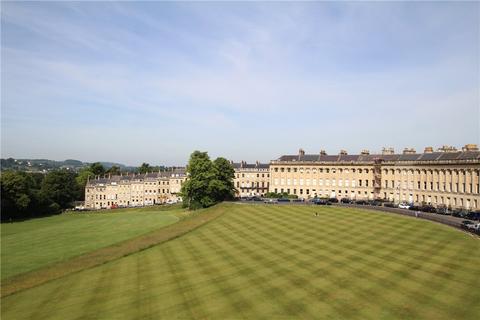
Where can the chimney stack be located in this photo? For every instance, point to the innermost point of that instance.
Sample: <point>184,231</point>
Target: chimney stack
<point>343,152</point>
<point>409,151</point>
<point>323,153</point>
<point>470,147</point>
<point>301,152</point>
<point>365,152</point>
<point>428,150</point>
<point>388,150</point>
<point>445,148</point>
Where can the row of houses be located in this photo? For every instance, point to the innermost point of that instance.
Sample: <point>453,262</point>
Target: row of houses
<point>445,177</point>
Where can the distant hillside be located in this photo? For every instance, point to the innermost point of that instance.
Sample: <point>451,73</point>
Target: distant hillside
<point>45,165</point>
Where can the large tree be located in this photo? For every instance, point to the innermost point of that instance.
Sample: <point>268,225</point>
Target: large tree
<point>223,180</point>
<point>16,194</point>
<point>208,182</point>
<point>97,169</point>
<point>114,170</point>
<point>60,187</point>
<point>144,168</point>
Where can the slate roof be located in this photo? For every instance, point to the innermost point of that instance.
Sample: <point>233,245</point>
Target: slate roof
<point>434,156</point>
<point>138,177</point>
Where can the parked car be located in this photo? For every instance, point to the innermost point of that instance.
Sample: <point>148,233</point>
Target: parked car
<point>374,203</point>
<point>283,200</point>
<point>474,226</point>
<point>474,215</point>
<point>460,213</point>
<point>467,222</point>
<point>270,201</point>
<point>322,202</point>
<point>442,210</point>
<point>298,200</point>
<point>361,202</point>
<point>333,200</point>
<point>428,208</point>
<point>345,200</point>
<point>404,205</point>
<point>389,204</point>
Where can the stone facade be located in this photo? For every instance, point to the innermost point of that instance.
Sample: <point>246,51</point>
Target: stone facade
<point>251,179</point>
<point>132,190</point>
<point>447,177</point>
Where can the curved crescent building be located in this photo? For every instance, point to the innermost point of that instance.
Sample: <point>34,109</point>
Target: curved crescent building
<point>446,177</point>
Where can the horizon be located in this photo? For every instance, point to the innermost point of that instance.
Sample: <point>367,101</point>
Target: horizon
<point>152,82</point>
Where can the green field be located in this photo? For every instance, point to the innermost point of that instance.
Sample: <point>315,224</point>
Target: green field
<point>270,262</point>
<point>32,244</point>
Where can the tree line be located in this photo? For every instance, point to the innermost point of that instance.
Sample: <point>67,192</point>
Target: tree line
<point>27,195</point>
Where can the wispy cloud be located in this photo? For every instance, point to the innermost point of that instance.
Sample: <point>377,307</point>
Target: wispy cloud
<point>232,76</point>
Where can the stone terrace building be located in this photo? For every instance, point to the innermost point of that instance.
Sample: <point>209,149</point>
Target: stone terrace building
<point>446,177</point>
<point>251,179</point>
<point>133,190</point>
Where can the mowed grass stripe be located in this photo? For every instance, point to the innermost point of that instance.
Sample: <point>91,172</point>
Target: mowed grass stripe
<point>282,262</point>
<point>104,255</point>
<point>30,245</point>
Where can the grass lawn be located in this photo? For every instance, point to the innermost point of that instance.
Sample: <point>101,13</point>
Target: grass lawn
<point>273,262</point>
<point>35,243</point>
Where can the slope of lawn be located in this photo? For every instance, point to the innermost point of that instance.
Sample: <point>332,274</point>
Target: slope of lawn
<point>272,262</point>
<point>35,243</point>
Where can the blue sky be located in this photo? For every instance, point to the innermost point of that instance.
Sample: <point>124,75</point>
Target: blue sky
<point>132,82</point>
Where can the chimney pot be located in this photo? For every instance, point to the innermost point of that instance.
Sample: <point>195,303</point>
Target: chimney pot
<point>365,152</point>
<point>470,147</point>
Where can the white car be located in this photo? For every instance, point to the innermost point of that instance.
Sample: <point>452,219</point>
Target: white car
<point>404,206</point>
<point>474,226</point>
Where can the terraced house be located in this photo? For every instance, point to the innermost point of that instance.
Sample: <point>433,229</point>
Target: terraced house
<point>131,190</point>
<point>444,178</point>
<point>251,179</point>
<point>447,177</point>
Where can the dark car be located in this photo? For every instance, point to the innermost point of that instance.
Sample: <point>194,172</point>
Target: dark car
<point>428,208</point>
<point>374,203</point>
<point>460,213</point>
<point>333,200</point>
<point>298,200</point>
<point>474,215</point>
<point>256,199</point>
<point>283,200</point>
<point>414,208</point>
<point>442,210</point>
<point>389,205</point>
<point>361,202</point>
<point>322,202</point>
<point>467,222</point>
<point>345,200</point>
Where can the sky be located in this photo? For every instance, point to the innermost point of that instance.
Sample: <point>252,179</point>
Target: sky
<point>135,82</point>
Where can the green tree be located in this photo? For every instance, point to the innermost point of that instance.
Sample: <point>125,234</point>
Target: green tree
<point>97,169</point>
<point>208,182</point>
<point>16,194</point>
<point>222,186</point>
<point>144,168</point>
<point>114,171</point>
<point>60,187</point>
<point>81,179</point>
